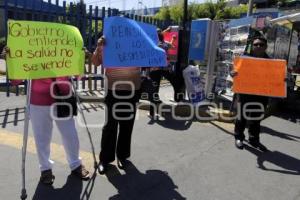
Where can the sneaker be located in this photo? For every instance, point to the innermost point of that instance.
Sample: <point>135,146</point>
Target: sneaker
<point>102,167</point>
<point>154,117</point>
<point>258,145</point>
<point>239,144</point>
<point>122,163</point>
<point>47,177</point>
<point>81,172</point>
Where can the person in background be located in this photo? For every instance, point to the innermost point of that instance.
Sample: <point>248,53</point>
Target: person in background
<point>157,73</point>
<point>41,119</point>
<point>123,94</point>
<point>258,49</point>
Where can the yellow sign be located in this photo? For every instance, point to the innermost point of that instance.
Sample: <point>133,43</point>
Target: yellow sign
<point>259,76</point>
<point>43,50</point>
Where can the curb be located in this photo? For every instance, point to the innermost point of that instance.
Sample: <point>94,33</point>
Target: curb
<point>180,109</point>
<point>184,110</point>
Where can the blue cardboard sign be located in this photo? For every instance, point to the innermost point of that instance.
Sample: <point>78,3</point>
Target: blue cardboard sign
<point>131,44</point>
<point>198,39</point>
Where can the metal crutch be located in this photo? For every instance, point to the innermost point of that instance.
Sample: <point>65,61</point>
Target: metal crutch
<point>85,122</point>
<point>25,138</point>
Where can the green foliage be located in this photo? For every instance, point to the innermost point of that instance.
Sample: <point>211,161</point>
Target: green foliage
<point>176,13</point>
<point>99,26</point>
<point>231,12</point>
<point>163,14</point>
<point>206,10</point>
<point>200,11</point>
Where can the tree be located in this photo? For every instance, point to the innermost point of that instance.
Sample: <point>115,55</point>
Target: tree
<point>176,13</point>
<point>163,14</point>
<point>231,12</point>
<point>206,10</point>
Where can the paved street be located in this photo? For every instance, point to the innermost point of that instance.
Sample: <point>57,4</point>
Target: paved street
<point>170,160</point>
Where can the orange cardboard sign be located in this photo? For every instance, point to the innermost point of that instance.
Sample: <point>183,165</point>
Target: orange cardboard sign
<point>259,76</point>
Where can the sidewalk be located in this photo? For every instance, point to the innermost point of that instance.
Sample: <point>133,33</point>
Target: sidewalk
<point>166,95</point>
<point>171,159</point>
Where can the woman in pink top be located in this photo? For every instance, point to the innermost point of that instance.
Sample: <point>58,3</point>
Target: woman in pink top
<point>123,94</point>
<point>42,124</point>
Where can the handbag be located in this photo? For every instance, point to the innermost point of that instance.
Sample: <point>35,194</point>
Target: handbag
<point>67,106</point>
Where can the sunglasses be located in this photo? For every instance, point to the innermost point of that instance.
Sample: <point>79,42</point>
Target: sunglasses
<point>259,44</point>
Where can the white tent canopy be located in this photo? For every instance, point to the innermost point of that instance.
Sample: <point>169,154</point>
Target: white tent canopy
<point>287,20</point>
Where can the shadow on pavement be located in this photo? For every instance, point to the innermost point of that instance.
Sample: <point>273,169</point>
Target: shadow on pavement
<point>70,191</point>
<point>5,115</point>
<point>89,187</point>
<point>91,107</point>
<point>292,116</point>
<point>289,112</point>
<point>289,164</point>
<point>134,185</point>
<point>273,132</point>
<point>171,123</point>
<point>221,128</point>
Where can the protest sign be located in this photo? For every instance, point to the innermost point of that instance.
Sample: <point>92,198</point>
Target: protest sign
<point>259,76</point>
<point>131,44</point>
<point>172,52</point>
<point>43,50</point>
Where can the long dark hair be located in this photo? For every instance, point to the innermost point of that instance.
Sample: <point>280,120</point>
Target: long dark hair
<point>160,36</point>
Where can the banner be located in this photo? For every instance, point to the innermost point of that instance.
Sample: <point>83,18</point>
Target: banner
<point>259,76</point>
<point>172,52</point>
<point>43,50</point>
<point>198,40</point>
<point>131,44</point>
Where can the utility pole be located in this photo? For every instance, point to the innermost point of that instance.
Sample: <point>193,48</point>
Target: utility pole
<point>185,10</point>
<point>182,62</point>
<point>123,6</point>
<point>250,8</point>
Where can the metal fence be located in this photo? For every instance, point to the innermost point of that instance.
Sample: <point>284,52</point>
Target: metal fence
<point>88,20</point>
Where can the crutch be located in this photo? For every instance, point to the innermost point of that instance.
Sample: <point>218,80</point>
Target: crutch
<point>85,122</point>
<point>25,138</point>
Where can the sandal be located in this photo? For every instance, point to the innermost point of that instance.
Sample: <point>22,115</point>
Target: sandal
<point>81,172</point>
<point>47,177</point>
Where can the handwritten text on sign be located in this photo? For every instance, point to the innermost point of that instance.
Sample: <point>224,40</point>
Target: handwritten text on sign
<point>43,50</point>
<point>131,44</point>
<point>265,77</point>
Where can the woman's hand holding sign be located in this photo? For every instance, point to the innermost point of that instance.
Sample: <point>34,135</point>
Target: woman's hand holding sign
<point>97,55</point>
<point>233,73</point>
<point>101,41</point>
<point>5,51</point>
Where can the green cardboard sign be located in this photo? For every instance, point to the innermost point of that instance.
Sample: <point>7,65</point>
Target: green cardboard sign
<point>43,50</point>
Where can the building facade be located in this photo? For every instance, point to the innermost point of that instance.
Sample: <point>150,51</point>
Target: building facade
<point>169,2</point>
